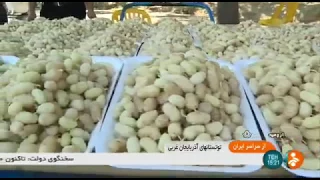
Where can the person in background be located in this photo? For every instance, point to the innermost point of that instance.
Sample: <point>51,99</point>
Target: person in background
<point>59,10</point>
<point>3,13</point>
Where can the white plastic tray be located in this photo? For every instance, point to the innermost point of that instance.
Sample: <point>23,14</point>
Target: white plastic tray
<point>240,66</point>
<point>195,37</point>
<point>9,59</point>
<point>139,48</point>
<point>107,129</point>
<point>117,67</point>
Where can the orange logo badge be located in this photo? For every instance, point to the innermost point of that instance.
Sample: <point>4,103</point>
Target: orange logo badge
<point>295,159</point>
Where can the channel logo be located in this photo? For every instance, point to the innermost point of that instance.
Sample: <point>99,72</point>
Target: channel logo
<point>294,159</point>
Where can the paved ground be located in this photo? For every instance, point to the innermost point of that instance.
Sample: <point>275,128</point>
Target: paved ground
<point>307,12</point>
<point>155,16</point>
